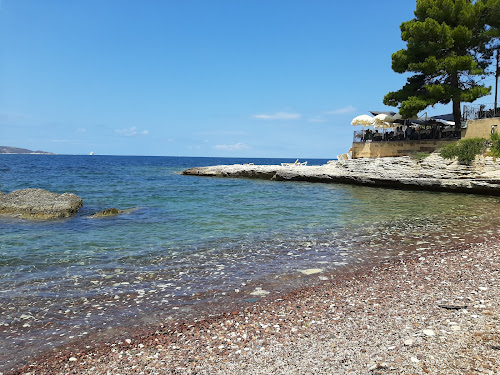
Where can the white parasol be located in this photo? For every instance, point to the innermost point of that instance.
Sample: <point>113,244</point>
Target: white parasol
<point>364,120</point>
<point>383,120</point>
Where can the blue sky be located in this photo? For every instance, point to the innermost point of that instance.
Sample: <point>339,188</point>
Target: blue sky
<point>260,78</point>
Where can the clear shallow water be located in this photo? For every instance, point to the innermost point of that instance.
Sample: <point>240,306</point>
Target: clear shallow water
<point>193,240</point>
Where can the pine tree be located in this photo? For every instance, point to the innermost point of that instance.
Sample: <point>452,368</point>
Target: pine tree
<point>446,49</point>
<point>491,15</point>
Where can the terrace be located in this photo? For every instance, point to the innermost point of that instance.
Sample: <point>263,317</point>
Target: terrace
<point>387,134</point>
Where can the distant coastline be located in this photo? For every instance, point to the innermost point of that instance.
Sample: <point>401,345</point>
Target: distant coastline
<point>18,150</point>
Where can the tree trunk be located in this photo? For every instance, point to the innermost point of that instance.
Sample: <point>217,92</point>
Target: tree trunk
<point>497,74</point>
<point>457,115</point>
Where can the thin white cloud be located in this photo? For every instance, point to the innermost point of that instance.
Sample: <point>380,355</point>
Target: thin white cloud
<point>81,131</point>
<point>317,119</point>
<point>236,147</point>
<point>132,131</point>
<point>277,116</point>
<point>343,110</point>
<point>220,133</point>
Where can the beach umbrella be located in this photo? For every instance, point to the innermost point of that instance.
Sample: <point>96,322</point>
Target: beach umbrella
<point>382,120</point>
<point>383,126</point>
<point>382,117</point>
<point>364,120</point>
<point>385,121</point>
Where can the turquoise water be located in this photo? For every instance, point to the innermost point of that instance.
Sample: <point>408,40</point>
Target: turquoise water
<point>190,241</point>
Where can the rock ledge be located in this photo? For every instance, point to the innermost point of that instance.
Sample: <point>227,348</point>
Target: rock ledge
<point>39,204</point>
<point>433,173</point>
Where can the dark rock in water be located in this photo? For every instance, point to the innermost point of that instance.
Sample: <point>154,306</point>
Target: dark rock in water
<point>39,204</point>
<point>108,212</point>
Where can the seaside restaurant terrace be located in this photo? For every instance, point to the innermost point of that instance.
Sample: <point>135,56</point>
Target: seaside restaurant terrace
<point>388,134</point>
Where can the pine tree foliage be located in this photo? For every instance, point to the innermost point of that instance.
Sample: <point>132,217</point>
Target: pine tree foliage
<point>446,51</point>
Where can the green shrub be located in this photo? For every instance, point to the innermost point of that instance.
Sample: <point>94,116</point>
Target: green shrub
<point>495,145</point>
<point>465,150</point>
<point>419,155</point>
<point>450,151</point>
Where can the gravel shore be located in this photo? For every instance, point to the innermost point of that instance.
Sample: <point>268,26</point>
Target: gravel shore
<point>436,314</point>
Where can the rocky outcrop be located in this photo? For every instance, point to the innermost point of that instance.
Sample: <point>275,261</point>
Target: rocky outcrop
<point>39,204</point>
<point>432,173</point>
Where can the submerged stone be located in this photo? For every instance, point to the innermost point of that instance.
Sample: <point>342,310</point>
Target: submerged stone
<point>112,212</point>
<point>311,271</point>
<point>39,204</point>
<point>108,212</point>
<point>259,292</point>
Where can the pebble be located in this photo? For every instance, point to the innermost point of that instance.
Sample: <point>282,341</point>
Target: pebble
<point>378,366</point>
<point>311,271</point>
<point>72,359</point>
<point>341,312</point>
<point>259,292</point>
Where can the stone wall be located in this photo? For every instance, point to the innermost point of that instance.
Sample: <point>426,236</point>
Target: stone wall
<point>395,148</point>
<point>481,128</point>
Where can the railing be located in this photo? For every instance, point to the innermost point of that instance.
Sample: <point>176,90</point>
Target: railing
<point>479,111</point>
<point>438,133</point>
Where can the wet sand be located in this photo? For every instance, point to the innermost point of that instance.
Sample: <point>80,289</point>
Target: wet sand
<point>436,313</point>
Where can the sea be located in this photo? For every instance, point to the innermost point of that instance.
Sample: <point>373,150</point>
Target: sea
<point>191,246</point>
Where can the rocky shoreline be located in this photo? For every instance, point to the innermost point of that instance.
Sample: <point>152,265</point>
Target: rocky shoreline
<point>432,173</point>
<point>438,313</point>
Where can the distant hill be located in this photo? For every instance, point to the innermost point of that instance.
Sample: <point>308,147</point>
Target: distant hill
<point>17,150</point>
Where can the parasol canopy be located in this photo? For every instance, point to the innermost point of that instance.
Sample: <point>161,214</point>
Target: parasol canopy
<point>383,120</point>
<point>364,120</point>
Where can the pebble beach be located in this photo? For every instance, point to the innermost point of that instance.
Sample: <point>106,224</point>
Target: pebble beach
<point>437,313</point>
